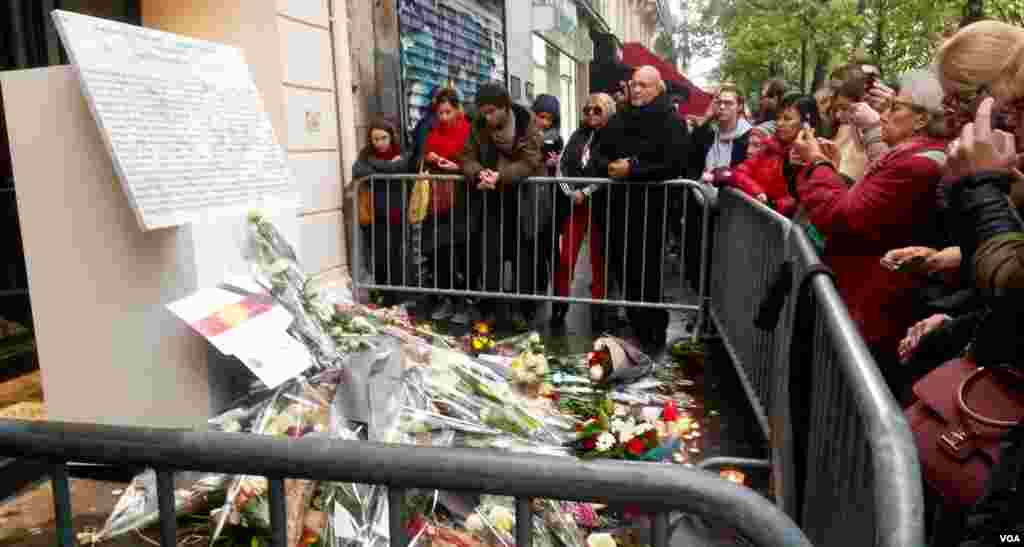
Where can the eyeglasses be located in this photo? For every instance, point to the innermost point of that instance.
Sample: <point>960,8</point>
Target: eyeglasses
<point>595,110</point>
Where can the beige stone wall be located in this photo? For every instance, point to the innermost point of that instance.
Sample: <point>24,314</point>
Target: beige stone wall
<point>291,47</point>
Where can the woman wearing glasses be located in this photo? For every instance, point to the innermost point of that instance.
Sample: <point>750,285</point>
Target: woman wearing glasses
<point>581,209</point>
<point>893,206</point>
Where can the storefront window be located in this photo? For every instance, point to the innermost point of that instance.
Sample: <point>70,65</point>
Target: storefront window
<point>554,73</point>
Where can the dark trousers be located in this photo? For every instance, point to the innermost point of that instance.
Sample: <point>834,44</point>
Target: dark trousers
<point>388,252</point>
<point>637,253</point>
<point>500,239</point>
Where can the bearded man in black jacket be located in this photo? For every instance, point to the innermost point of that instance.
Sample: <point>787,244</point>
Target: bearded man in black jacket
<point>641,146</point>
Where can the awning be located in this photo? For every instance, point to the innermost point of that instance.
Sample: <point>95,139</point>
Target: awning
<point>635,55</point>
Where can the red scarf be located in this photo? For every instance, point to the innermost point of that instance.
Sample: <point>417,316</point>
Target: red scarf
<point>448,140</point>
<point>391,154</point>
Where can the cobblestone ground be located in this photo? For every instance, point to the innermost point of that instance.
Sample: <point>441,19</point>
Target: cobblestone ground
<point>729,427</point>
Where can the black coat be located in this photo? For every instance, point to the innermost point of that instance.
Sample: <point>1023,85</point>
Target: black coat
<point>701,140</point>
<point>655,141</point>
<point>572,167</point>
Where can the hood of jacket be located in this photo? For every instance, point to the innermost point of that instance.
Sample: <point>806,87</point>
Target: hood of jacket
<point>549,104</point>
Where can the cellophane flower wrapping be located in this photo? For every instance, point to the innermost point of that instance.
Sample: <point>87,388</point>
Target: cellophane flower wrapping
<point>381,377</point>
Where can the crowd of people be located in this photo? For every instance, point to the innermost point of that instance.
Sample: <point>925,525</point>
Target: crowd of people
<point>909,187</point>
<point>491,232</point>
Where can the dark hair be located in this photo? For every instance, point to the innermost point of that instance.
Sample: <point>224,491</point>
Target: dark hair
<point>446,95</point>
<point>805,105</point>
<point>774,88</point>
<point>383,124</point>
<point>494,95</point>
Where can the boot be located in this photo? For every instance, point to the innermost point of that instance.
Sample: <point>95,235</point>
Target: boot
<point>558,312</point>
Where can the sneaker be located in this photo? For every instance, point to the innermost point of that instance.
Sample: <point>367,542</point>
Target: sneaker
<point>443,311</point>
<point>463,311</point>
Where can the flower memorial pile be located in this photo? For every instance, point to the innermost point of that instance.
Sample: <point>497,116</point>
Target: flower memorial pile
<point>507,395</point>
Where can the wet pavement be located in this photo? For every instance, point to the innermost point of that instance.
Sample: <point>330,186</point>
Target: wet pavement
<point>728,425</point>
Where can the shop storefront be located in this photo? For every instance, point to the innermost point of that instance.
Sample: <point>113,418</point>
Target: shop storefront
<point>561,54</point>
<point>458,43</point>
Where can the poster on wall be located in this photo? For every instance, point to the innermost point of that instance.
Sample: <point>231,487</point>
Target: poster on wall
<point>456,43</point>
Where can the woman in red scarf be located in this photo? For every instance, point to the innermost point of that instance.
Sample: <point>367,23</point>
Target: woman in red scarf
<point>382,155</point>
<point>893,206</point>
<point>440,138</point>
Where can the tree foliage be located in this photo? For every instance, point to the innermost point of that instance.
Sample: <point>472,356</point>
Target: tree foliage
<point>801,40</point>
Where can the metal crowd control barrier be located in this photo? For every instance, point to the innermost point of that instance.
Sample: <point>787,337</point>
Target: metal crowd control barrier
<point>844,460</point>
<point>463,251</point>
<point>658,489</point>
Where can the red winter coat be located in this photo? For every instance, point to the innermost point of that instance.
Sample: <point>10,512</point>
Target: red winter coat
<point>762,174</point>
<point>894,206</point>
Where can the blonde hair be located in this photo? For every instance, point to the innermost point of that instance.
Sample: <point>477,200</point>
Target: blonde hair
<point>605,101</point>
<point>989,53</point>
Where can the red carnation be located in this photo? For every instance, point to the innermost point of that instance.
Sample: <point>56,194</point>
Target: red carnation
<point>636,446</point>
<point>589,443</point>
<point>416,523</point>
<point>670,413</point>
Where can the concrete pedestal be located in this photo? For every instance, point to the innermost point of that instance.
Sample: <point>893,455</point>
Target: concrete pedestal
<point>109,350</point>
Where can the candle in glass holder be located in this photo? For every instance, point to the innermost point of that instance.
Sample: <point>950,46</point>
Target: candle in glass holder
<point>733,475</point>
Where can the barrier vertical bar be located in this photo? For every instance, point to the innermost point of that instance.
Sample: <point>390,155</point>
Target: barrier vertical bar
<point>396,528</point>
<point>278,513</point>
<point>664,241</point>
<point>165,503</point>
<point>659,529</point>
<point>643,246</point>
<point>524,522</point>
<point>62,505</point>
<point>357,241</point>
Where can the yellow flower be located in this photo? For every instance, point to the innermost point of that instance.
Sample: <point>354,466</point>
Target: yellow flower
<point>483,329</point>
<point>502,518</point>
<point>478,344</point>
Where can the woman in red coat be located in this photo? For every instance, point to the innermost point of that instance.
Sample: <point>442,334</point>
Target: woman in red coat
<point>893,206</point>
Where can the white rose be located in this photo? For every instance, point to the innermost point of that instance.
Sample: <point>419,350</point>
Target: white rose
<point>651,413</point>
<point>596,373</point>
<point>601,540</point>
<point>474,523</point>
<point>605,442</point>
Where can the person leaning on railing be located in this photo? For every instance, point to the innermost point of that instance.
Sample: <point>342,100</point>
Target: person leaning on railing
<point>439,140</point>
<point>581,209</point>
<point>503,150</point>
<point>892,206</point>
<point>384,236</point>
<point>640,146</point>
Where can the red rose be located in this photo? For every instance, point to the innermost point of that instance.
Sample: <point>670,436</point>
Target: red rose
<point>652,436</point>
<point>589,443</point>
<point>416,523</point>
<point>670,413</point>
<point>636,446</point>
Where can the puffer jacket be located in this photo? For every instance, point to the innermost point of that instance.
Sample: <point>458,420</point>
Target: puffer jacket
<point>762,174</point>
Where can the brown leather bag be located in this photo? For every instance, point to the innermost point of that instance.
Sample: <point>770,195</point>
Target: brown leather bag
<point>960,413</point>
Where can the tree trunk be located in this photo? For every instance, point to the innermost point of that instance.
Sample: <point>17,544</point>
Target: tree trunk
<point>803,65</point>
<point>974,10</point>
<point>878,46</point>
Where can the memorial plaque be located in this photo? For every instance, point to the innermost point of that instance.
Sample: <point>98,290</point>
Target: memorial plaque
<point>181,117</point>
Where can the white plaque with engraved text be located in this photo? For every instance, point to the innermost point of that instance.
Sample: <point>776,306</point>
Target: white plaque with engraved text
<point>182,119</point>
